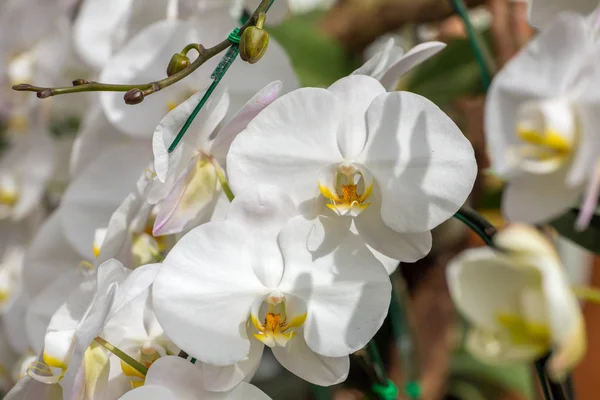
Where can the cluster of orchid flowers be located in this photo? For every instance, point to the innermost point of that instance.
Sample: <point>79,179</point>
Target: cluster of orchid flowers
<point>279,216</point>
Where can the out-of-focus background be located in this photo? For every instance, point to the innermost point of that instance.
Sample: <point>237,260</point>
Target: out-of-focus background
<point>327,44</point>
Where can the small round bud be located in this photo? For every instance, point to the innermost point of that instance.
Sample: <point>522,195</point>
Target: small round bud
<point>178,63</point>
<point>44,94</point>
<point>134,96</point>
<point>22,86</point>
<point>253,44</point>
<point>79,82</point>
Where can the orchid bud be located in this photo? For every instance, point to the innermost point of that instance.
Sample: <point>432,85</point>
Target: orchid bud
<point>254,41</point>
<point>134,96</point>
<point>178,63</point>
<point>44,94</point>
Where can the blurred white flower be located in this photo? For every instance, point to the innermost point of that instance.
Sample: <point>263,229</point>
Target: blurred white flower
<point>173,378</point>
<point>25,168</point>
<point>392,164</point>
<point>145,58</point>
<point>541,122</point>
<point>543,12</point>
<point>103,26</point>
<point>519,302</point>
<point>265,276</point>
<point>186,183</point>
<point>391,62</point>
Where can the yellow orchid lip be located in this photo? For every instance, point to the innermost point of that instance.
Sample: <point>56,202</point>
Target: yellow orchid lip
<point>8,197</point>
<point>277,330</point>
<point>347,200</point>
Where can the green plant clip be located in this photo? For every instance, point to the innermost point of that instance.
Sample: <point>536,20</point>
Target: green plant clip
<point>413,390</point>
<point>234,36</point>
<point>386,391</point>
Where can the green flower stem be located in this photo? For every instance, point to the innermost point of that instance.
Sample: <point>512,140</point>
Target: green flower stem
<point>552,390</point>
<point>217,75</point>
<point>404,335</point>
<point>482,227</point>
<point>221,177</point>
<point>482,55</point>
<point>80,86</point>
<point>123,356</point>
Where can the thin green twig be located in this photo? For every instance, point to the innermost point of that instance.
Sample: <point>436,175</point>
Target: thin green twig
<point>133,363</point>
<point>477,44</point>
<point>477,223</point>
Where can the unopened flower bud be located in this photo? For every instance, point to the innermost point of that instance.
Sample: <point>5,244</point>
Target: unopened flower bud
<point>134,96</point>
<point>44,94</point>
<point>178,63</point>
<point>253,44</point>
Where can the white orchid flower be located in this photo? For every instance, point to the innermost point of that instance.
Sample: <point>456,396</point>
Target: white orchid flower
<point>67,353</point>
<point>48,256</point>
<point>173,378</point>
<point>229,288</point>
<point>103,26</point>
<point>391,62</point>
<point>136,331</point>
<point>393,164</point>
<point>96,137</point>
<point>543,12</point>
<point>541,120</point>
<point>519,302</point>
<point>25,170</point>
<point>145,58</point>
<point>186,182</point>
<point>26,23</point>
<point>128,236</point>
<point>92,198</point>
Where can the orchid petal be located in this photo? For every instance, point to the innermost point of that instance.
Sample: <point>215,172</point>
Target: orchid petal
<point>226,378</point>
<point>356,93</point>
<point>207,276</point>
<point>298,358</point>
<point>536,198</point>
<point>49,256</point>
<point>287,148</point>
<point>91,199</point>
<point>415,56</point>
<point>422,162</point>
<point>346,290</point>
<point>221,144</point>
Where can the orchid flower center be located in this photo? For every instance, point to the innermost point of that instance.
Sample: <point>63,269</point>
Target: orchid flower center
<point>349,192</point>
<point>277,329</point>
<point>201,184</point>
<point>147,354</point>
<point>523,332</point>
<point>9,194</point>
<point>145,248</point>
<point>547,132</point>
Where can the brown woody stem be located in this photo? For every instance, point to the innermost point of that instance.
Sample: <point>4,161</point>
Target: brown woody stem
<point>81,85</point>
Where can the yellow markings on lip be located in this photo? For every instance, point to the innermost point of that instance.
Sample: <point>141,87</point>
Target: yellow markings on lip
<point>348,200</point>
<point>8,197</point>
<point>551,142</point>
<point>96,250</point>
<point>171,105</point>
<point>54,362</point>
<point>274,331</point>
<point>523,332</point>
